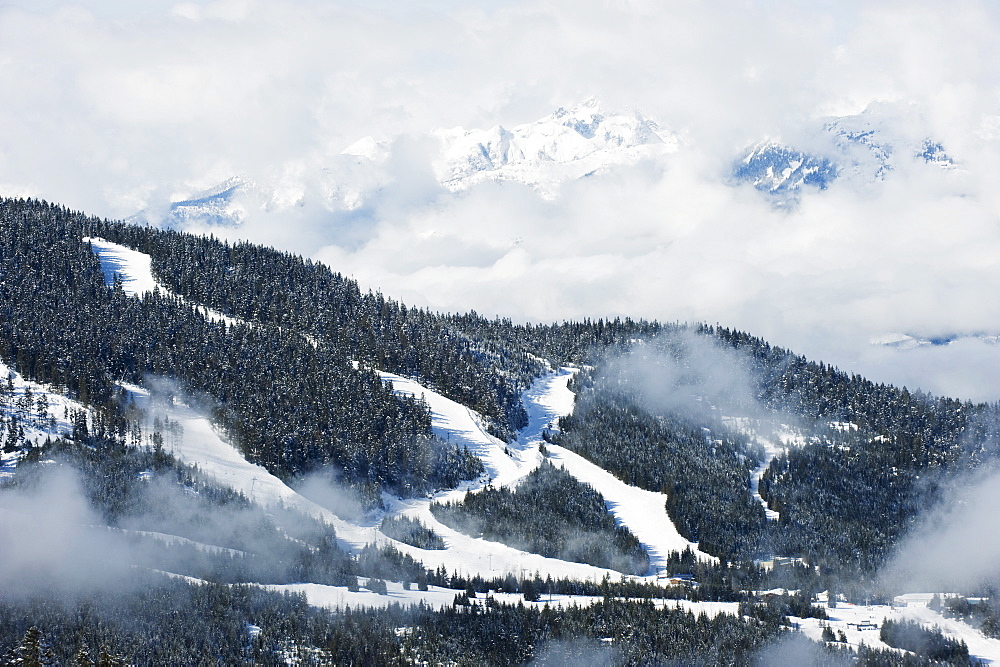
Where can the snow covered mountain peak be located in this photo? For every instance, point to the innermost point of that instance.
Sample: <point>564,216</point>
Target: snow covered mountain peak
<point>219,205</point>
<point>565,145</point>
<point>862,148</point>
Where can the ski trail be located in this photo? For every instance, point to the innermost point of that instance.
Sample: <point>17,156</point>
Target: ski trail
<point>643,512</point>
<point>549,398</point>
<point>506,465</point>
<point>202,446</point>
<point>135,271</point>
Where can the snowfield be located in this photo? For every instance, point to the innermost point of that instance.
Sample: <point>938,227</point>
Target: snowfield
<point>203,446</point>
<point>435,597</point>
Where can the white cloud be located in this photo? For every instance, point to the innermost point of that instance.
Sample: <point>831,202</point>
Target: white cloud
<point>112,109</point>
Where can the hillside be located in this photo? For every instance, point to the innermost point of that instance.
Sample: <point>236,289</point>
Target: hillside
<point>224,417</point>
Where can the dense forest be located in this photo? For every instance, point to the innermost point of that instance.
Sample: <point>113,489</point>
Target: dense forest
<point>706,478</point>
<point>290,404</point>
<point>845,496</point>
<point>172,622</point>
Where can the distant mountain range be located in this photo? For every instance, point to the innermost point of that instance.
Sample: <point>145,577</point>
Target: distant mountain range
<point>569,144</point>
<point>563,146</point>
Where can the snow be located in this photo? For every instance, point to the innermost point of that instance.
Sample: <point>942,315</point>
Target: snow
<point>566,145</point>
<point>338,597</point>
<point>457,424</point>
<point>203,446</point>
<point>770,451</point>
<point>506,464</point>
<point>846,616</point>
<point>435,597</point>
<point>643,512</point>
<point>545,401</point>
<point>778,442</point>
<point>132,267</point>
<point>167,538</point>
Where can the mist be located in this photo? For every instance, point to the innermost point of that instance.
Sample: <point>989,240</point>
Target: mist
<point>323,488</point>
<point>51,540</point>
<point>955,547</point>
<point>792,649</point>
<point>684,373</point>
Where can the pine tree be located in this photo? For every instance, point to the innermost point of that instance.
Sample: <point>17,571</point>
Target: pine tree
<point>33,651</point>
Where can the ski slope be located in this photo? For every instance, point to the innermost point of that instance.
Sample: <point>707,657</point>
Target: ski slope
<point>135,271</point>
<point>506,464</point>
<point>202,446</point>
<point>642,512</point>
<point>549,398</point>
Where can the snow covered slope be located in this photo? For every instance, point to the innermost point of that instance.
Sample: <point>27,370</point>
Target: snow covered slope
<point>506,465</point>
<point>548,399</point>
<point>846,617</point>
<point>131,267</point>
<point>134,270</point>
<point>203,446</point>
<point>642,512</point>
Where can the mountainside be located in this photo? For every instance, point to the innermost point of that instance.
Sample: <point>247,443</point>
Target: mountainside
<point>241,427</point>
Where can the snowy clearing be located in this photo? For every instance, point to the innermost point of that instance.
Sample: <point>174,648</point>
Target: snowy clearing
<point>132,267</point>
<point>435,597</point>
<point>847,616</point>
<point>642,512</point>
<point>54,420</point>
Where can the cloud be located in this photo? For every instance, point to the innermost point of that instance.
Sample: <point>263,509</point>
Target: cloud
<point>685,374</point>
<point>956,546</point>
<point>792,649</point>
<point>115,109</point>
<point>51,539</point>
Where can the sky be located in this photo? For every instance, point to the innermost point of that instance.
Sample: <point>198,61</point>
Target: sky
<point>117,107</point>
